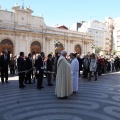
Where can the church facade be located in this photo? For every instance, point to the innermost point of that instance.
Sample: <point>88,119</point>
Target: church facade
<point>21,31</point>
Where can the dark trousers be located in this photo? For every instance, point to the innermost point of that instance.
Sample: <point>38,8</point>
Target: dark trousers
<point>103,69</point>
<point>28,77</point>
<point>49,77</point>
<point>99,69</point>
<point>21,79</point>
<point>4,73</point>
<point>32,73</point>
<point>39,80</point>
<point>108,67</point>
<point>95,73</point>
<point>85,73</point>
<point>79,73</point>
<point>12,71</point>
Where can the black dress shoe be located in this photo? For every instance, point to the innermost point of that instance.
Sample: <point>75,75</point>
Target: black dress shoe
<point>30,83</point>
<point>2,82</point>
<point>22,87</point>
<point>50,84</point>
<point>6,81</point>
<point>74,92</point>
<point>41,87</point>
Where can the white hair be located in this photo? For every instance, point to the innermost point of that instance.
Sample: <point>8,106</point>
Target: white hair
<point>63,52</point>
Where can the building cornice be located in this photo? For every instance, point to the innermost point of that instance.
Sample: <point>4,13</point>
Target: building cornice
<point>45,31</point>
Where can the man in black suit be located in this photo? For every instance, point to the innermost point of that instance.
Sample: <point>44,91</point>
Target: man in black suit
<point>49,67</point>
<point>39,64</point>
<point>21,69</point>
<point>29,68</point>
<point>80,60</point>
<point>4,62</point>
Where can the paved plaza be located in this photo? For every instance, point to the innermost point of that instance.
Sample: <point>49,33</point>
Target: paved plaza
<point>95,100</point>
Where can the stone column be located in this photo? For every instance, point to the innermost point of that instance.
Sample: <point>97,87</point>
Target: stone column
<point>16,48</point>
<point>43,45</point>
<point>69,47</point>
<point>65,45</point>
<point>83,45</point>
<point>47,46</point>
<point>87,47</point>
<point>52,47</point>
<point>28,46</point>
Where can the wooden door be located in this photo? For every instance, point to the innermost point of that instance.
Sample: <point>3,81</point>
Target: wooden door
<point>78,49</point>
<point>6,44</point>
<point>35,49</point>
<point>9,48</point>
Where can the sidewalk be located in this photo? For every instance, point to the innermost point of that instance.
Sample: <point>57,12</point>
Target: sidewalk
<point>95,100</point>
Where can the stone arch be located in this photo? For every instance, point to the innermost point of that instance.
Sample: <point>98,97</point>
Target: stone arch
<point>6,44</point>
<point>58,47</point>
<point>77,48</point>
<point>35,47</point>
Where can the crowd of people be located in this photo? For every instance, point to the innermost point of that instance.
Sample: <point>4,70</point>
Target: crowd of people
<point>65,69</point>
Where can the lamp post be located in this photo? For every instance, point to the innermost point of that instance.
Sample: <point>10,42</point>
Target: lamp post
<point>93,48</point>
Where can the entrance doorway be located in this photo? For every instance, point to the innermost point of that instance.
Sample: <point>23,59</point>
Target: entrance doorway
<point>78,49</point>
<point>35,47</point>
<point>6,44</point>
<point>58,47</point>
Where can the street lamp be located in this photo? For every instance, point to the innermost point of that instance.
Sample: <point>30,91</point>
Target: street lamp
<point>93,48</point>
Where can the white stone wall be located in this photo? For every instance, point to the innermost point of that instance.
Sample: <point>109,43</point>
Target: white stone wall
<point>74,27</point>
<point>22,29</point>
<point>116,35</point>
<point>98,30</point>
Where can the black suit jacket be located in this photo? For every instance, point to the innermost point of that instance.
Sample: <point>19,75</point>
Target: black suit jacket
<point>49,65</point>
<point>39,64</point>
<point>28,63</point>
<point>21,64</point>
<point>4,63</point>
<point>80,63</point>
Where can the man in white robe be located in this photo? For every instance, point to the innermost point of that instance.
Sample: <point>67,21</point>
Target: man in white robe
<point>74,71</point>
<point>64,78</point>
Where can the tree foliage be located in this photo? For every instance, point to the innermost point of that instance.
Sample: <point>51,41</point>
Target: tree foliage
<point>114,52</point>
<point>97,49</point>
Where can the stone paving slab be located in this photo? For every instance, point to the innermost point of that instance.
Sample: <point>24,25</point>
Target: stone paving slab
<point>95,100</point>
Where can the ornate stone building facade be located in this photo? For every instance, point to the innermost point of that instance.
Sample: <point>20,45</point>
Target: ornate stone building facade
<point>21,31</point>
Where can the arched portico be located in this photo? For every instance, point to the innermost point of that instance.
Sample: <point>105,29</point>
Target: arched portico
<point>58,47</point>
<point>35,47</point>
<point>6,44</point>
<point>77,49</point>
